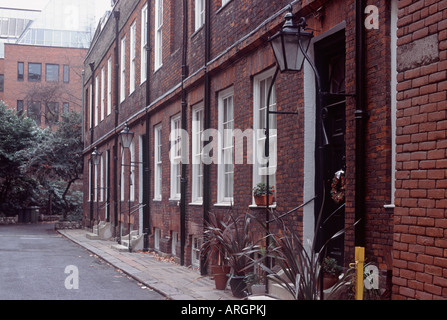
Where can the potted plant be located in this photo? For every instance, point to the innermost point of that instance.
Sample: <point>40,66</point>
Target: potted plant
<point>239,238</point>
<point>226,237</point>
<point>299,262</point>
<point>214,249</point>
<point>331,272</point>
<point>255,283</point>
<point>260,194</point>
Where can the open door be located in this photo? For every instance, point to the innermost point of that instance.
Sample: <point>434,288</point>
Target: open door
<point>330,59</point>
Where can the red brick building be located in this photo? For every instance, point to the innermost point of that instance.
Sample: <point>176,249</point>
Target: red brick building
<point>42,82</point>
<point>41,57</point>
<point>420,225</point>
<point>207,65</point>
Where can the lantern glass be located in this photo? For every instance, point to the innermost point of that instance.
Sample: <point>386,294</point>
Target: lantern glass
<point>96,157</point>
<point>126,137</point>
<point>286,45</point>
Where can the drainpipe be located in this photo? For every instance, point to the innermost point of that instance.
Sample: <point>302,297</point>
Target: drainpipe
<point>206,122</point>
<point>184,179</point>
<point>361,117</point>
<point>92,131</point>
<point>83,105</point>
<point>147,164</point>
<point>116,15</point>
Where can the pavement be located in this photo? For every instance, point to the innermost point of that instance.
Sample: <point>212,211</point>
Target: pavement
<point>173,281</point>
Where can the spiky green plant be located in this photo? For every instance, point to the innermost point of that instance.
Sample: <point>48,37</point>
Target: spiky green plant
<point>300,262</point>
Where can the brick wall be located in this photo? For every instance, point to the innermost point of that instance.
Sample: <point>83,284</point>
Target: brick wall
<point>66,92</point>
<point>420,224</point>
<point>239,52</point>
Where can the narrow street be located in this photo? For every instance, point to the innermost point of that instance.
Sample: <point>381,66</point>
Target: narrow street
<point>37,263</point>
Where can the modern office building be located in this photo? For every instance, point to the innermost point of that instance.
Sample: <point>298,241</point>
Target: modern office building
<point>41,58</point>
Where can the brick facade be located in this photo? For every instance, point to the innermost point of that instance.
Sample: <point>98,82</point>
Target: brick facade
<point>401,215</point>
<point>420,228</point>
<point>43,91</point>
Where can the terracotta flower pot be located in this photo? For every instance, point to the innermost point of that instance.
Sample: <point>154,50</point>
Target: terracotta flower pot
<point>262,200</point>
<point>329,280</point>
<point>220,274</point>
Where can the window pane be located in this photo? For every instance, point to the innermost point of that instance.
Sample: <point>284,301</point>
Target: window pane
<point>66,108</point>
<point>227,152</point>
<point>66,74</point>
<point>52,72</point>
<point>20,71</point>
<point>40,37</point>
<point>52,113</point>
<point>2,82</point>
<point>19,107</point>
<point>34,112</point>
<point>34,72</point>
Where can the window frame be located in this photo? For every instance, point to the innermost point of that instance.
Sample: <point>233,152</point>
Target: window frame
<point>158,39</point>
<point>132,56</point>
<point>51,72</point>
<point>109,86</point>
<point>38,116</point>
<point>52,106</point>
<point>103,96</point>
<point>224,125</point>
<point>123,69</point>
<point>259,131</point>
<point>199,14</point>
<point>197,149</point>
<point>20,107</point>
<point>31,74</point>
<point>66,74</point>
<point>101,179</point>
<point>143,73</point>
<point>196,244</point>
<point>157,238</point>
<point>158,162</point>
<point>20,76</point>
<point>96,102</point>
<point>176,165</point>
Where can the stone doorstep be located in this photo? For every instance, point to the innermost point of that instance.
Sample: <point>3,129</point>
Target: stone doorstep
<point>91,236</point>
<point>261,298</point>
<point>120,248</point>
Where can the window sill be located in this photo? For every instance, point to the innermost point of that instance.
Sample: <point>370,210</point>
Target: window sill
<point>254,206</point>
<point>157,68</point>
<point>197,31</point>
<point>223,6</point>
<point>197,203</point>
<point>224,204</point>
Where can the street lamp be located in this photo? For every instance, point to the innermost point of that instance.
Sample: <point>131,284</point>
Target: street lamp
<point>291,43</point>
<point>290,46</point>
<point>96,159</point>
<point>126,137</point>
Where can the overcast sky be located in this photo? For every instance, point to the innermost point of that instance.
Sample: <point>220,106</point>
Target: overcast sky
<point>24,4</point>
<point>40,4</point>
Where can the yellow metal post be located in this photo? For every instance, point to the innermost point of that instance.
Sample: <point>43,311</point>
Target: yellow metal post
<point>359,260</point>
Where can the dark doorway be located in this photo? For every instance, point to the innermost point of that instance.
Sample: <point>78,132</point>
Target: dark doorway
<point>330,58</point>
